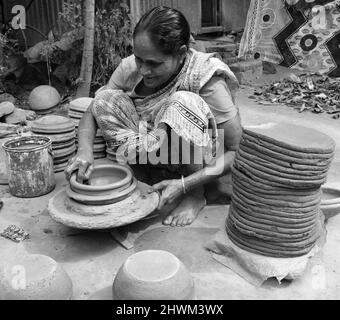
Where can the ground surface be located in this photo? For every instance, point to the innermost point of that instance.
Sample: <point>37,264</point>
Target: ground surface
<point>93,258</point>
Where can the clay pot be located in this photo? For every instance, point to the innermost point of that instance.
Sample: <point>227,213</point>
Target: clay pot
<point>104,180</point>
<point>34,277</point>
<point>330,202</point>
<point>43,97</point>
<point>153,275</point>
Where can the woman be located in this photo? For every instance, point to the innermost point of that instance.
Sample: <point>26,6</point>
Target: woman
<point>167,103</point>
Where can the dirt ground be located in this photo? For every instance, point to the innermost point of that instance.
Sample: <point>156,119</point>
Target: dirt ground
<point>93,258</point>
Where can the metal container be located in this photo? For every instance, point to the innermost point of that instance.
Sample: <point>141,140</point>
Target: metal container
<point>29,163</point>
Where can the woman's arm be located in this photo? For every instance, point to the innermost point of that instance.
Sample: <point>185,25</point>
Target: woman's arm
<point>83,161</point>
<point>220,166</point>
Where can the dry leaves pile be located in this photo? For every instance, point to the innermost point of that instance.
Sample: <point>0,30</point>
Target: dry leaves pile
<point>313,92</point>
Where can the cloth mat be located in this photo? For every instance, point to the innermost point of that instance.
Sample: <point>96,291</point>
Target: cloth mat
<point>255,268</point>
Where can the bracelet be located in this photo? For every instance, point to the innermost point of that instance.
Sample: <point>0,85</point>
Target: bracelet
<point>183,185</point>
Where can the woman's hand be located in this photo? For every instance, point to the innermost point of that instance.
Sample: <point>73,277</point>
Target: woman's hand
<point>83,162</point>
<point>169,190</point>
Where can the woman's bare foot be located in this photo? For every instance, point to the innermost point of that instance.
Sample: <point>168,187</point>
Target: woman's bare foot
<point>186,211</point>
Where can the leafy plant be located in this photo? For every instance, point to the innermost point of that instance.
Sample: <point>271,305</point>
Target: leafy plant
<point>112,38</point>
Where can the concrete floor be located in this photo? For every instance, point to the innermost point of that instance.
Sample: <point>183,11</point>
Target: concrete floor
<point>93,258</point>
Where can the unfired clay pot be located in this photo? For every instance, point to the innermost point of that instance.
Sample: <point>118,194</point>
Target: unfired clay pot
<point>43,97</point>
<point>330,203</point>
<point>34,277</point>
<point>104,180</point>
<point>153,275</point>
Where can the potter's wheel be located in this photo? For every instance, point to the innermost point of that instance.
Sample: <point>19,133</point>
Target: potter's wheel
<point>77,215</point>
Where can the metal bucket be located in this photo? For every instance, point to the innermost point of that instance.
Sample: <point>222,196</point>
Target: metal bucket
<point>29,163</point>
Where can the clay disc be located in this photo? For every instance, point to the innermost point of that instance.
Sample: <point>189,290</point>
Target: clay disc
<point>80,104</point>
<point>250,140</point>
<point>278,195</point>
<point>272,219</point>
<point>294,137</point>
<point>286,163</point>
<point>63,145</point>
<point>52,124</point>
<point>253,166</point>
<point>76,215</point>
<point>59,153</point>
<point>99,155</point>
<point>60,166</point>
<point>278,181</point>
<point>268,154</point>
<point>265,188</point>
<point>299,203</point>
<point>277,230</point>
<point>265,164</point>
<point>260,249</point>
<point>75,114</point>
<point>267,205</point>
<point>60,138</point>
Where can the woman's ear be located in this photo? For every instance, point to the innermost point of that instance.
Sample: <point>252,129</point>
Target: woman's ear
<point>183,51</point>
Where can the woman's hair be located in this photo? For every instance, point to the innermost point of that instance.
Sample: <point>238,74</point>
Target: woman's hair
<point>167,28</point>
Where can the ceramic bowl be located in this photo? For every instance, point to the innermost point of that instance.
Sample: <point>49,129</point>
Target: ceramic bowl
<point>153,275</point>
<point>330,202</point>
<point>104,180</point>
<point>34,277</point>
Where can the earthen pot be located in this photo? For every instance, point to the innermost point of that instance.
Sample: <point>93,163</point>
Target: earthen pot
<point>104,180</point>
<point>153,275</point>
<point>330,202</point>
<point>34,277</point>
<point>43,97</point>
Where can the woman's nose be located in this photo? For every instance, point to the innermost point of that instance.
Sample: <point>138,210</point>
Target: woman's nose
<point>145,71</point>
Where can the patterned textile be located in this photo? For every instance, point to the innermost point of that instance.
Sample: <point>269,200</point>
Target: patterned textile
<point>184,112</point>
<point>301,34</point>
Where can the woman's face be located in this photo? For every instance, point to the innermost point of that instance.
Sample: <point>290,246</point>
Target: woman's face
<point>156,67</point>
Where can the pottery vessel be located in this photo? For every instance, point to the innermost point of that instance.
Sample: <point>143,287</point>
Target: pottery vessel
<point>153,275</point>
<point>43,97</point>
<point>42,279</point>
<point>104,180</point>
<point>330,203</point>
<point>106,199</point>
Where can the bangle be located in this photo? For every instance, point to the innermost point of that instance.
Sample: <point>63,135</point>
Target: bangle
<point>183,185</point>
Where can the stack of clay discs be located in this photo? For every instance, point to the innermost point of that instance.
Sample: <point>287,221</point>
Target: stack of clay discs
<point>111,154</point>
<point>77,108</point>
<point>277,176</point>
<point>61,131</point>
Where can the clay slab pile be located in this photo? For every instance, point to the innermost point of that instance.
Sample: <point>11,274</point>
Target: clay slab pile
<point>61,131</point>
<point>77,108</point>
<point>277,176</point>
